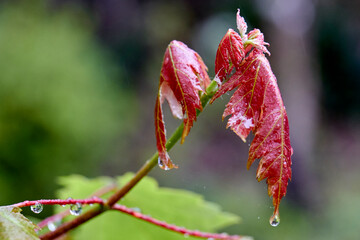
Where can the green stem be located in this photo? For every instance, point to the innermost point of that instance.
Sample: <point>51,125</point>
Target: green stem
<point>142,172</point>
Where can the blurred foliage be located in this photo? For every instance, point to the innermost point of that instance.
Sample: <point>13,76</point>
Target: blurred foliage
<point>179,207</point>
<point>60,104</point>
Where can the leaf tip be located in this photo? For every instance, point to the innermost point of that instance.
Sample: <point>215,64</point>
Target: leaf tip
<point>164,162</point>
<point>241,24</point>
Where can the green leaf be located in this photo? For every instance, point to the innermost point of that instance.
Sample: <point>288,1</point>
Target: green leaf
<point>174,206</point>
<point>14,226</point>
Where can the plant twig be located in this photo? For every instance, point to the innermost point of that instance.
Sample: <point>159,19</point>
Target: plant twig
<point>121,208</point>
<point>59,216</point>
<point>142,172</point>
<point>174,228</point>
<point>59,202</point>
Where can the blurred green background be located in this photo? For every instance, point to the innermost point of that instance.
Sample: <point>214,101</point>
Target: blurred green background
<point>78,81</point>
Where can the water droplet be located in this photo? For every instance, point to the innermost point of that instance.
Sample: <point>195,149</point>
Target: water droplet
<point>75,209</point>
<point>210,239</point>
<point>51,226</point>
<point>186,235</point>
<point>37,208</point>
<point>275,220</point>
<point>162,165</point>
<point>258,218</point>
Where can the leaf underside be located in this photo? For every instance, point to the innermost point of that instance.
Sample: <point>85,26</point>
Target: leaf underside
<point>183,76</point>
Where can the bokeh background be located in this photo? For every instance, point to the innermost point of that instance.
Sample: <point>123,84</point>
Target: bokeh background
<point>78,81</point>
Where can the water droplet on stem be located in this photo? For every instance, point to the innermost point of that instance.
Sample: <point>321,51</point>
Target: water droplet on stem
<point>274,220</point>
<point>37,208</point>
<point>75,209</point>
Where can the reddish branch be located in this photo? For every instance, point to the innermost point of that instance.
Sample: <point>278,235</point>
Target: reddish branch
<point>59,202</point>
<point>181,230</point>
<point>96,211</point>
<point>58,217</point>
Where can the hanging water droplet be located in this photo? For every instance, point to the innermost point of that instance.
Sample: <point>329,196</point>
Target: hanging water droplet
<point>186,235</point>
<point>210,239</point>
<point>162,165</point>
<point>275,220</point>
<point>37,208</point>
<point>51,226</point>
<point>75,209</point>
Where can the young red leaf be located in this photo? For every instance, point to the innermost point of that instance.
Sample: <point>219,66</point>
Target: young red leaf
<point>255,38</point>
<point>183,75</point>
<point>241,25</point>
<point>230,54</point>
<point>257,106</point>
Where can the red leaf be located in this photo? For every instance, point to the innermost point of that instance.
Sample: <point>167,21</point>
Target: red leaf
<point>183,75</point>
<point>257,106</point>
<point>230,54</point>
<point>241,24</point>
<point>255,38</point>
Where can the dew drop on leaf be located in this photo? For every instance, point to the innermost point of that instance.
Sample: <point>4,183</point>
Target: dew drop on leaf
<point>75,209</point>
<point>275,220</point>
<point>37,208</point>
<point>162,165</point>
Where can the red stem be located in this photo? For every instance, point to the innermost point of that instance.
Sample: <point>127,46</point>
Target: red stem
<point>53,218</point>
<point>61,215</point>
<point>59,202</point>
<point>174,228</point>
<point>94,212</point>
